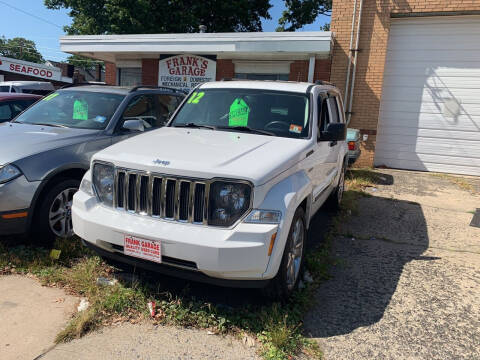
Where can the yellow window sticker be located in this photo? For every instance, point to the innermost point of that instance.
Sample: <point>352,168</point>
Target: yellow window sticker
<point>50,97</point>
<point>80,110</point>
<point>239,111</point>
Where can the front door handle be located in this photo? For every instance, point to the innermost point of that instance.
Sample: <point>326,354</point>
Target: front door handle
<point>332,143</point>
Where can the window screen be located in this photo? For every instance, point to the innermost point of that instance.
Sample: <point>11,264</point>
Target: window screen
<point>129,76</point>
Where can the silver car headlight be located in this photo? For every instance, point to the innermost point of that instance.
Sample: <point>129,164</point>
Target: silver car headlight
<point>228,202</point>
<point>86,185</point>
<point>102,178</point>
<point>8,173</point>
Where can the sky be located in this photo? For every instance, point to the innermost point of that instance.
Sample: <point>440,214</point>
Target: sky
<point>33,21</point>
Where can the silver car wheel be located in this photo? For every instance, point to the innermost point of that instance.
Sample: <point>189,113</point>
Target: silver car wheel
<point>294,257</point>
<point>60,214</point>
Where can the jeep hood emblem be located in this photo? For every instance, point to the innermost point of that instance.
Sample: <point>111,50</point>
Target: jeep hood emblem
<point>161,162</point>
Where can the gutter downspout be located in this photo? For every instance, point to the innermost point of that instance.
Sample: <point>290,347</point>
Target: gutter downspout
<point>350,53</point>
<point>355,62</point>
<point>311,68</point>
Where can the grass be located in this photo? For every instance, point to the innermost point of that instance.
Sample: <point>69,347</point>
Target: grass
<point>457,180</point>
<point>276,326</point>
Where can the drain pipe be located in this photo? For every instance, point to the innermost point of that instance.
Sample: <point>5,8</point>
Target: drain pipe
<point>350,52</point>
<point>355,62</point>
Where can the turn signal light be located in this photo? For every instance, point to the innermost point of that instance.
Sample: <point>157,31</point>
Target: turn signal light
<point>272,242</point>
<point>351,145</point>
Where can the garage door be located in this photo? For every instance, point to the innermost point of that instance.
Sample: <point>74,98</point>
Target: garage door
<point>430,107</point>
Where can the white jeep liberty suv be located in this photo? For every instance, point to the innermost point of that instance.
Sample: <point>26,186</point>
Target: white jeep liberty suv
<point>225,192</point>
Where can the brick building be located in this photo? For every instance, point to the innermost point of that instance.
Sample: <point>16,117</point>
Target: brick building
<point>417,83</point>
<point>143,59</point>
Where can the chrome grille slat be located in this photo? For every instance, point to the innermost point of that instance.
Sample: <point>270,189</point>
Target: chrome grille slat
<point>165,197</point>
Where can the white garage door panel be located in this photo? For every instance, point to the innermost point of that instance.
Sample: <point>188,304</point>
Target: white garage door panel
<point>432,146</point>
<point>432,159</point>
<point>432,133</point>
<point>431,65</point>
<point>429,121</point>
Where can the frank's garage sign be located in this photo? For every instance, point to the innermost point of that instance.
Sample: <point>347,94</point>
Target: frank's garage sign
<point>186,71</point>
<point>30,69</point>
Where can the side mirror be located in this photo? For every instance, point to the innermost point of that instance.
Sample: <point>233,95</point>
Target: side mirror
<point>334,132</point>
<point>133,125</point>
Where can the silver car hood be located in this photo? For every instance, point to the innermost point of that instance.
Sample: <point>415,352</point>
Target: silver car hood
<point>18,141</point>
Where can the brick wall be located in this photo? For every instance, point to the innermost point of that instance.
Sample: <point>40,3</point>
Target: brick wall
<point>150,72</point>
<point>225,69</point>
<point>371,58</point>
<point>110,74</point>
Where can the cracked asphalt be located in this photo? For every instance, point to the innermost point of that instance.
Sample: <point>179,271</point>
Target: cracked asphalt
<point>408,281</point>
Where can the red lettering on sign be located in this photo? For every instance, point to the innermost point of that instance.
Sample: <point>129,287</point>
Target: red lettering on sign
<point>12,67</point>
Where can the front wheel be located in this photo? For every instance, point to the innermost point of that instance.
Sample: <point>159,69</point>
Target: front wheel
<point>54,217</point>
<point>291,267</point>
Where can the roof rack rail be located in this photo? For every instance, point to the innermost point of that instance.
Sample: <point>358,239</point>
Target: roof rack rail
<point>82,84</point>
<point>323,82</point>
<point>135,88</point>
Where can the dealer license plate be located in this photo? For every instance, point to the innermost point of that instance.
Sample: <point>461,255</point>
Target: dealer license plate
<point>142,248</point>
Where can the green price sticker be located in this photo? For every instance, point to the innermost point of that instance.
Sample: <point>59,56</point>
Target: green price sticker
<point>238,115</point>
<point>80,110</point>
<point>195,98</point>
<point>50,97</point>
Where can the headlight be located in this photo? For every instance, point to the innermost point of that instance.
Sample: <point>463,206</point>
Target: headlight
<point>264,217</point>
<point>86,184</point>
<point>103,182</point>
<point>228,202</point>
<point>9,172</point>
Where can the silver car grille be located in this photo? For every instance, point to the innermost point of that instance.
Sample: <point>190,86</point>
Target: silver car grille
<point>162,196</point>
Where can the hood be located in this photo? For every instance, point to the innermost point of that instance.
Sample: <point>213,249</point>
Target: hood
<point>18,141</point>
<point>205,153</point>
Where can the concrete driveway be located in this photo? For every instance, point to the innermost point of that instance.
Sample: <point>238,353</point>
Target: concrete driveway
<point>408,282</point>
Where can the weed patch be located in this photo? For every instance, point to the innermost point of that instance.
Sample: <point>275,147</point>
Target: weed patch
<point>276,326</point>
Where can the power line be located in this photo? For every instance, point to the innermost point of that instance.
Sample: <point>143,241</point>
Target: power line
<point>32,15</point>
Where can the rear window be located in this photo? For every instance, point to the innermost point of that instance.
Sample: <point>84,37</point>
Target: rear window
<point>4,88</point>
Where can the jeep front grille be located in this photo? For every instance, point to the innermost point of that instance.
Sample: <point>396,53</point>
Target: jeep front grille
<point>162,196</point>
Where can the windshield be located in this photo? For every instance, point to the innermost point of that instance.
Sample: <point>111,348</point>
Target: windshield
<point>278,113</point>
<point>73,109</point>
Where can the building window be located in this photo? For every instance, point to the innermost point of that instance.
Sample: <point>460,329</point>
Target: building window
<point>253,76</point>
<point>129,76</point>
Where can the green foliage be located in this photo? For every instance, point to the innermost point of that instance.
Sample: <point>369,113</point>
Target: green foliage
<point>21,49</point>
<point>162,16</point>
<point>84,62</point>
<point>301,12</point>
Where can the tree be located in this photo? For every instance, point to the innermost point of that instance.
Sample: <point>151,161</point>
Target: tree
<point>162,16</point>
<point>84,62</point>
<point>301,12</point>
<point>21,49</point>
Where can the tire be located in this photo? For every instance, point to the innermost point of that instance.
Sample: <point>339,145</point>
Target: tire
<point>335,199</point>
<point>291,268</point>
<point>54,217</point>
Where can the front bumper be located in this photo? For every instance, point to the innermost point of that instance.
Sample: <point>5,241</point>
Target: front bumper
<point>15,201</point>
<point>239,254</point>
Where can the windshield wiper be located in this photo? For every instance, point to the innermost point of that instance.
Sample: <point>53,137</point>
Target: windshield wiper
<point>46,124</point>
<point>247,129</point>
<point>195,126</point>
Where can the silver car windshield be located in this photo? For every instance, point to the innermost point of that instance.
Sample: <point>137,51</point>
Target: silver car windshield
<point>73,109</point>
<point>264,112</point>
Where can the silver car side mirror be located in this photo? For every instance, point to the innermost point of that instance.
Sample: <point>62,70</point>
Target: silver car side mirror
<point>133,125</point>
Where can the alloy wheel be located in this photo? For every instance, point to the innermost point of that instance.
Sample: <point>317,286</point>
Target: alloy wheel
<point>294,257</point>
<point>60,214</point>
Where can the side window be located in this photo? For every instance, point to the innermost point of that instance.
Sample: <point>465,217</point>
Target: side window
<point>341,112</point>
<point>5,112</point>
<point>324,119</point>
<point>143,108</point>
<point>166,105</point>
<point>332,104</point>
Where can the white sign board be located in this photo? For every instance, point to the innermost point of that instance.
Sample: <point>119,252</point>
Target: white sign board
<point>186,71</point>
<point>30,69</point>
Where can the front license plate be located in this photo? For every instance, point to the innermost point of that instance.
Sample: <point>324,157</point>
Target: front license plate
<point>142,248</point>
